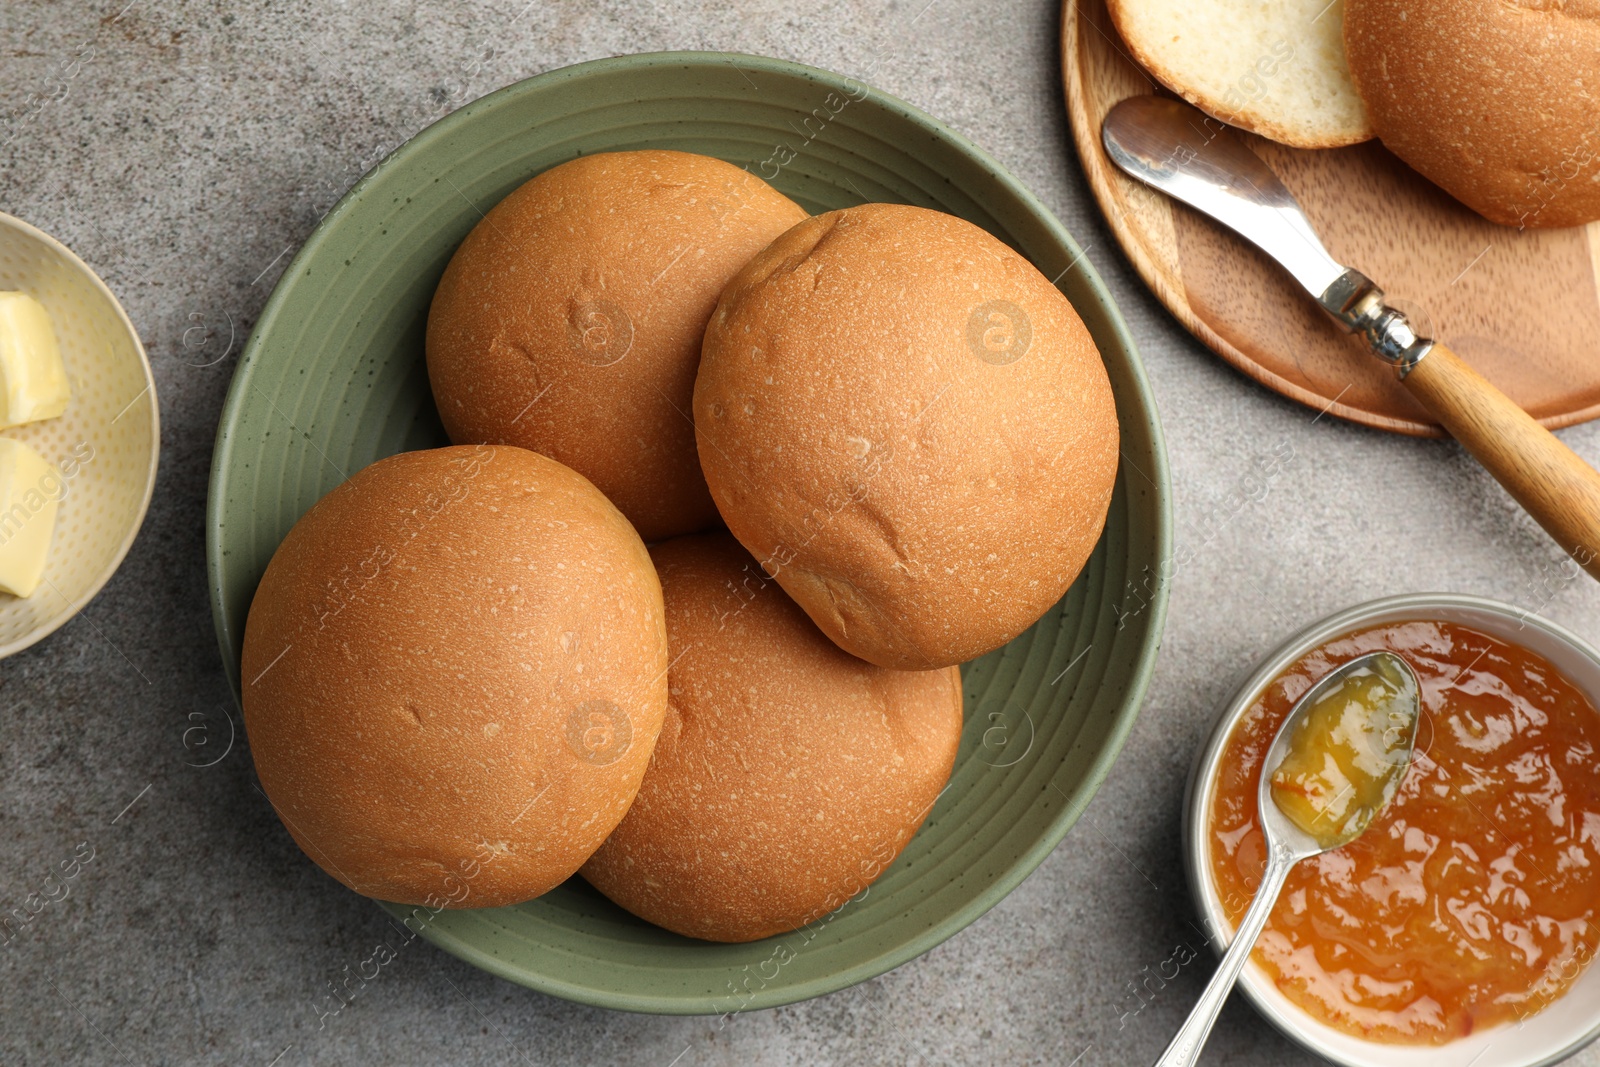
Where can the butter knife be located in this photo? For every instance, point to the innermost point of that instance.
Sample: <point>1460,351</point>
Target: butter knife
<point>1198,160</point>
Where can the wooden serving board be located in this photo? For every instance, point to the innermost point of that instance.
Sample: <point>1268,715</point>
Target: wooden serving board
<point>1522,307</point>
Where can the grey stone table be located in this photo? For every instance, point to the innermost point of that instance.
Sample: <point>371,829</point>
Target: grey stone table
<point>185,148</point>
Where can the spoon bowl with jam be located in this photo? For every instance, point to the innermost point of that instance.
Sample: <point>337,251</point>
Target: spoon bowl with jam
<point>1336,761</point>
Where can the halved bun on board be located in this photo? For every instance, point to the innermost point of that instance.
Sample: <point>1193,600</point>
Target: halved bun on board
<point>1273,67</point>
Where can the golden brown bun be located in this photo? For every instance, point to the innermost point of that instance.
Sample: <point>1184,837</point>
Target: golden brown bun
<point>569,321</point>
<point>910,427</point>
<point>454,672</point>
<point>788,774</point>
<point>1497,101</point>
<point>1274,67</point>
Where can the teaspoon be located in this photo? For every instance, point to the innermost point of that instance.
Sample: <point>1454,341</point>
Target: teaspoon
<point>1364,714</point>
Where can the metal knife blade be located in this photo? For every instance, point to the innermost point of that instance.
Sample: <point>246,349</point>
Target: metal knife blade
<point>1199,160</point>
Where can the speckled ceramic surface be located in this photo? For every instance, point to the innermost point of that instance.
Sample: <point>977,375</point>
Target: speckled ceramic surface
<point>105,444</point>
<point>333,378</point>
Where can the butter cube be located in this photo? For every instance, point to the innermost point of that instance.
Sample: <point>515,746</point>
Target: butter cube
<point>33,381</point>
<point>30,490</point>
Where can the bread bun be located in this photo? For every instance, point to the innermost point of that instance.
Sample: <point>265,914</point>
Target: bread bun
<point>1498,102</point>
<point>909,427</point>
<point>1276,68</point>
<point>788,775</point>
<point>569,320</point>
<point>454,672</point>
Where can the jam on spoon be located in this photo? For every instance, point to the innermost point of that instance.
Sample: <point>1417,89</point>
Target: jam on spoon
<point>1348,751</point>
<point>1344,745</point>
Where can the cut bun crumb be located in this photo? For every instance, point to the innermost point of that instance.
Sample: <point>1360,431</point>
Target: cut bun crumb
<point>1275,68</point>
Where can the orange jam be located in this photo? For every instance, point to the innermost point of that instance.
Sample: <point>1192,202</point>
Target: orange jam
<point>1473,899</point>
<point>1348,750</point>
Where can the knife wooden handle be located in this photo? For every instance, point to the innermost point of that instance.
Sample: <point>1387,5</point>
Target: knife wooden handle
<point>1547,478</point>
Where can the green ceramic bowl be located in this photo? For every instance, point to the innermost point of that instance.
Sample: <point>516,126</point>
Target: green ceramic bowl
<point>333,379</point>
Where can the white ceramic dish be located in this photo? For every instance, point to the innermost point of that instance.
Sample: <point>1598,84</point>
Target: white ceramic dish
<point>108,438</point>
<point>1544,1038</point>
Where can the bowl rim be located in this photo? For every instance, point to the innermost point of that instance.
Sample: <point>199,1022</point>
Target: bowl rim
<point>1137,681</point>
<point>1296,1024</point>
<point>131,534</point>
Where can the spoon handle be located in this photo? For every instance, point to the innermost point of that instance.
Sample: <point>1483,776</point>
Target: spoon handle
<point>1191,1038</point>
<point>1557,488</point>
